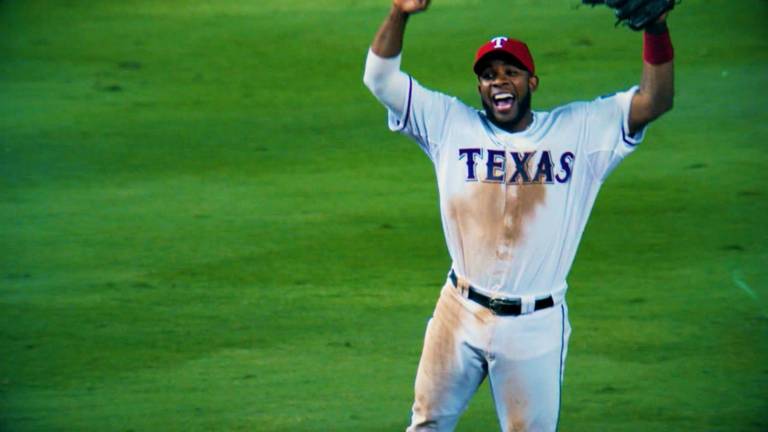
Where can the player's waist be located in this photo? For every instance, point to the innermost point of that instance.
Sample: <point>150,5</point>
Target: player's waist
<point>501,304</point>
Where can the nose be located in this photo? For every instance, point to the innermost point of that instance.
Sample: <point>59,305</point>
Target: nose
<point>500,77</point>
<point>500,80</point>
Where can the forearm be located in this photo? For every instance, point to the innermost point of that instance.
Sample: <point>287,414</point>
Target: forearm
<point>383,76</point>
<point>388,41</point>
<point>658,67</point>
<point>656,93</point>
<point>657,84</point>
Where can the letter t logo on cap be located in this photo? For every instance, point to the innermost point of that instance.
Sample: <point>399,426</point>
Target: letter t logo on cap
<point>498,41</point>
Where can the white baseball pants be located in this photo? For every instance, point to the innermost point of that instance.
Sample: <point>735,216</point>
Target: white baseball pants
<point>523,357</point>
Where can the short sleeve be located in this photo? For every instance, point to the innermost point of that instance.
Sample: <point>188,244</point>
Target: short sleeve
<point>425,118</point>
<point>608,140</point>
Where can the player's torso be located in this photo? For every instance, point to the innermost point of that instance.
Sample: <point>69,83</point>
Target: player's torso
<point>514,205</point>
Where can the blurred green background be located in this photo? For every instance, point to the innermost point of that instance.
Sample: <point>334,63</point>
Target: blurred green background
<point>205,224</point>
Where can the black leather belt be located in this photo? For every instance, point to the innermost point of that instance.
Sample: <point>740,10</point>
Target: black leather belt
<point>501,306</point>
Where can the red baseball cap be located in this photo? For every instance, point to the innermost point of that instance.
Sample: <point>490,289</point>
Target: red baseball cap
<point>505,46</point>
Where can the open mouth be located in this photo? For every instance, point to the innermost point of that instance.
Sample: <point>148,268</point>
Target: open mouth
<point>503,101</point>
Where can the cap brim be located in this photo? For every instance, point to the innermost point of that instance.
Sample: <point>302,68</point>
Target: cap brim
<point>500,54</point>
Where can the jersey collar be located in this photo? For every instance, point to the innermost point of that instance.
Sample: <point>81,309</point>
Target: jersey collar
<point>505,138</point>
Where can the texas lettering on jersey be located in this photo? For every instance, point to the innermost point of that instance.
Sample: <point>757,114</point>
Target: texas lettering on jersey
<point>490,166</point>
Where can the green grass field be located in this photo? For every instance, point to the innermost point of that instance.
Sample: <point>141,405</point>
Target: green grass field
<point>205,224</point>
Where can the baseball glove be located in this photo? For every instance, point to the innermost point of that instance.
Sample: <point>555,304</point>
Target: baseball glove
<point>637,14</point>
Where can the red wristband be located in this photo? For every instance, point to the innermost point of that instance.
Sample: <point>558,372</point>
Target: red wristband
<point>657,48</point>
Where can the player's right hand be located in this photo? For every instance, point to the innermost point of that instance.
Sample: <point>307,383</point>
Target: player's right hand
<point>411,6</point>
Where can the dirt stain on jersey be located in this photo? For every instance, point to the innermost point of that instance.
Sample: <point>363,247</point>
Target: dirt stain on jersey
<point>491,219</point>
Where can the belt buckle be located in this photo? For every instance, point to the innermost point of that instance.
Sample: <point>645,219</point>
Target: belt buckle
<point>496,304</point>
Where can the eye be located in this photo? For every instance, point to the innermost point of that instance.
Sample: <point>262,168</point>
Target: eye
<point>487,75</point>
<point>512,72</point>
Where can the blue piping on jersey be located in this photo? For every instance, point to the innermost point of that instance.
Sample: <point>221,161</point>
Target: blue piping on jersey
<point>625,139</point>
<point>408,104</point>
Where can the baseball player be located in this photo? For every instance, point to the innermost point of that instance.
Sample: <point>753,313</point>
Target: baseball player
<point>516,187</point>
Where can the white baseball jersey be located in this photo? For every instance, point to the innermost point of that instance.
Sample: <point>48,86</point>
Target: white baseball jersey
<point>513,205</point>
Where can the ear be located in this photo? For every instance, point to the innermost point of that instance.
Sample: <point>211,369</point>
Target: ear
<point>533,83</point>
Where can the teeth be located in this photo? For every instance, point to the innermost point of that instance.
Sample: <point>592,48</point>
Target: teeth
<point>501,96</point>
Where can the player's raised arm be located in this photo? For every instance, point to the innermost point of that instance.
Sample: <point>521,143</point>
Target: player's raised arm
<point>382,68</point>
<point>388,41</point>
<point>656,92</point>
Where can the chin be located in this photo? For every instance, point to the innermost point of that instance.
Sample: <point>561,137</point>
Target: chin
<point>510,119</point>
<point>506,118</point>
